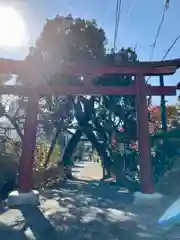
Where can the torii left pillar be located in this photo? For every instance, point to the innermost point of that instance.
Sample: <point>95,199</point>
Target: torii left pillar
<point>26,194</point>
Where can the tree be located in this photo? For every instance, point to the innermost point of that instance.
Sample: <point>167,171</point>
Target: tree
<point>116,112</point>
<point>8,109</point>
<point>100,117</point>
<point>64,39</point>
<point>67,39</point>
<point>10,148</point>
<point>171,114</point>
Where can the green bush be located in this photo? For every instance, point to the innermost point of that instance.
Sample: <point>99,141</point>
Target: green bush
<point>165,154</point>
<point>41,154</point>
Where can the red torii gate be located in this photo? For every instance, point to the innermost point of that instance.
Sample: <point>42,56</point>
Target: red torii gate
<point>33,90</point>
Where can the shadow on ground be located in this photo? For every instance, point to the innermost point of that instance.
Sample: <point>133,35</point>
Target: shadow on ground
<point>75,226</point>
<point>88,210</point>
<point>93,192</point>
<point>77,210</point>
<point>8,233</point>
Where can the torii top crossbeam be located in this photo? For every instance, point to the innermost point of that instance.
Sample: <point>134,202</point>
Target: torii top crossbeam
<point>93,67</point>
<point>89,70</point>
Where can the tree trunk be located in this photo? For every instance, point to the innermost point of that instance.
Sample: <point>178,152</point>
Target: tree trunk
<point>108,163</point>
<point>15,125</point>
<point>52,147</point>
<point>72,144</point>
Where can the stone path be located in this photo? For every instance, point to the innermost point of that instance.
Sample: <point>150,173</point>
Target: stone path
<point>88,170</point>
<point>82,210</point>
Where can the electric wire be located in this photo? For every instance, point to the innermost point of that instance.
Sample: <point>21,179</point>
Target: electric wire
<point>171,47</point>
<point>117,20</point>
<point>165,55</point>
<point>166,7</point>
<point>158,32</point>
<point>168,51</point>
<point>118,4</point>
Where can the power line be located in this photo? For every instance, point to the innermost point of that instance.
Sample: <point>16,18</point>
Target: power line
<point>158,32</point>
<point>117,19</point>
<point>168,51</point>
<point>171,47</point>
<point>118,8</point>
<point>116,14</point>
<point>166,7</point>
<point>165,55</point>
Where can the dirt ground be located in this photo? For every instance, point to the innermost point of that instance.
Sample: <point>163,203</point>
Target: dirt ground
<point>84,209</point>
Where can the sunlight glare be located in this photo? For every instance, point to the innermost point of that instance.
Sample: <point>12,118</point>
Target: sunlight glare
<point>12,28</point>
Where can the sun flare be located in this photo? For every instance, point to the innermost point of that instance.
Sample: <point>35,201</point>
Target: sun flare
<point>12,28</point>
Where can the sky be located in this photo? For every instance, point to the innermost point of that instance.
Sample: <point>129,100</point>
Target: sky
<point>138,25</point>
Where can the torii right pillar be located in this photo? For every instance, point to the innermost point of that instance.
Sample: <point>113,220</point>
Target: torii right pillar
<point>147,194</point>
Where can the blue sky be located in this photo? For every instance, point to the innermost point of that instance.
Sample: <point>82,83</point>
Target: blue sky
<point>138,25</point>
